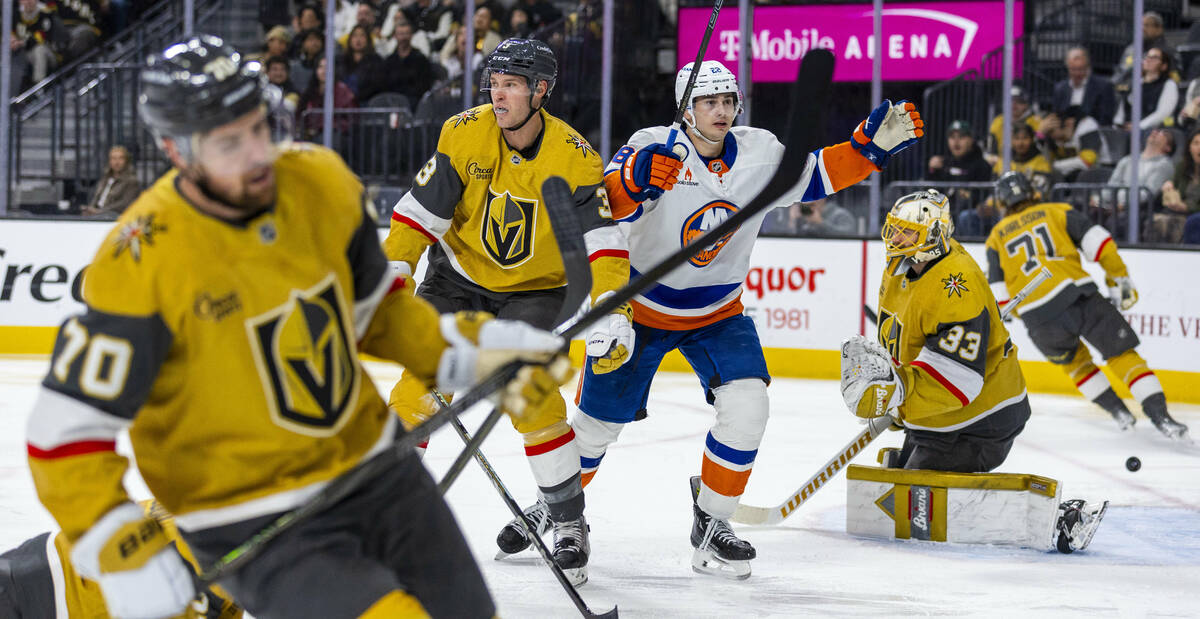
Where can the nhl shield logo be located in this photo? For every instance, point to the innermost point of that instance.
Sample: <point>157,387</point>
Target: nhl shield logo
<point>508,228</point>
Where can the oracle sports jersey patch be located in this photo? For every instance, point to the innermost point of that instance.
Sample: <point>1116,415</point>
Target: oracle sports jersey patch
<point>955,285</point>
<point>463,118</point>
<point>581,144</point>
<point>136,233</point>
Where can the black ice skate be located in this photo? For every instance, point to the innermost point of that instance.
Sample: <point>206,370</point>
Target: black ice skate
<point>1115,407</point>
<point>571,549</point>
<point>719,551</point>
<point>513,537</point>
<point>1077,523</point>
<point>1155,408</point>
<point>1123,417</point>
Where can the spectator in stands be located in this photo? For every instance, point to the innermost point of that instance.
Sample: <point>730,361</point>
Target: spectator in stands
<point>1181,194</point>
<point>1152,36</point>
<point>454,55</point>
<point>309,18</point>
<point>367,17</point>
<point>1160,93</point>
<point>304,63</point>
<point>541,13</point>
<point>359,67</point>
<point>1022,112</point>
<point>486,37</point>
<point>313,101</point>
<point>1026,158</point>
<point>434,21</point>
<point>277,43</point>
<point>37,32</point>
<point>964,162</point>
<point>1155,166</point>
<point>518,23</point>
<point>81,19</point>
<point>1191,105</point>
<point>118,187</point>
<point>1071,140</point>
<point>279,74</point>
<point>1091,93</point>
<point>823,218</point>
<point>407,71</point>
<point>345,16</point>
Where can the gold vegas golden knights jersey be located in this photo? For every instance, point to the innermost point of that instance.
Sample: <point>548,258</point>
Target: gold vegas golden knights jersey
<point>229,351</point>
<point>479,202</point>
<point>1051,235</point>
<point>943,326</point>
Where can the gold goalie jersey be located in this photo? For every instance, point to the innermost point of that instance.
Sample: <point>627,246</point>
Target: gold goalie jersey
<point>1051,235</point>
<point>944,329</point>
<point>479,202</point>
<point>229,351</point>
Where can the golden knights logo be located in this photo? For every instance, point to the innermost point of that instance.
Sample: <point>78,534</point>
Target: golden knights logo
<point>463,118</point>
<point>508,228</point>
<point>135,234</point>
<point>580,144</point>
<point>890,329</point>
<point>955,285</point>
<point>306,360</point>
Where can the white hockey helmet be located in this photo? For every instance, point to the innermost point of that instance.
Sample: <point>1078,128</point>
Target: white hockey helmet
<point>919,226</point>
<point>713,79</point>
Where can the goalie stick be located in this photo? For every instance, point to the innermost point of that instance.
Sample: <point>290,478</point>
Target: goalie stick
<point>809,97</point>
<point>749,514</point>
<point>556,194</point>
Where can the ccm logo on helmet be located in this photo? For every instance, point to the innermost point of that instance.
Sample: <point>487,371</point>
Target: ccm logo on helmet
<point>706,218</point>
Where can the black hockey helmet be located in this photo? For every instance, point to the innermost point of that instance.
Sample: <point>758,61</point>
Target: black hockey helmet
<point>199,84</point>
<point>530,58</point>
<point>1013,191</point>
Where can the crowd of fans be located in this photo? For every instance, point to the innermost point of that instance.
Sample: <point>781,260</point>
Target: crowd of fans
<point>47,34</point>
<point>1081,137</point>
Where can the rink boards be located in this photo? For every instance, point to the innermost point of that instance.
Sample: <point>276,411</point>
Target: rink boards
<point>805,295</point>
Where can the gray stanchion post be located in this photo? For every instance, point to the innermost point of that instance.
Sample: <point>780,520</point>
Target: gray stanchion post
<point>1135,130</point>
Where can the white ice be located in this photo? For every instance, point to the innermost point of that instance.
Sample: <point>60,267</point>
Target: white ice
<point>1144,560</point>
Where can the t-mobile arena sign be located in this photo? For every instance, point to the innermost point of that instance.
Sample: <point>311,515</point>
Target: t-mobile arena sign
<point>921,41</point>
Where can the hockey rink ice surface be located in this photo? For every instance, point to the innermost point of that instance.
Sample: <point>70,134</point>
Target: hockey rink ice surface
<point>1144,560</point>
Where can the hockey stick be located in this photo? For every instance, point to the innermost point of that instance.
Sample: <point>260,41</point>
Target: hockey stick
<point>677,124</point>
<point>749,514</point>
<point>809,95</point>
<point>560,205</point>
<point>530,528</point>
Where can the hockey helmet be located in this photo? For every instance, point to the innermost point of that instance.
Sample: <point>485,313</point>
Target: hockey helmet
<point>713,79</point>
<point>1014,191</point>
<point>919,226</point>
<point>197,85</point>
<point>530,58</point>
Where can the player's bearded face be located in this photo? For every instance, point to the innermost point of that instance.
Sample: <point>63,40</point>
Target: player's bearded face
<point>714,114</point>
<point>235,162</point>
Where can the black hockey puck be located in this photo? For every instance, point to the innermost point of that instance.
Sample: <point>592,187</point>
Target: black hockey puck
<point>1133,464</point>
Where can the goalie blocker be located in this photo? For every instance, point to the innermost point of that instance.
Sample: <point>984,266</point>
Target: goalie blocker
<point>969,508</point>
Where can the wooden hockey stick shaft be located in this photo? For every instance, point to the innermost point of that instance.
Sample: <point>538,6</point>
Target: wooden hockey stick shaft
<point>749,514</point>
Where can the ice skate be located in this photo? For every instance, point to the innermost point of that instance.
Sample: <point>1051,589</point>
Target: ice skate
<point>719,552</point>
<point>1155,408</point>
<point>513,538</point>
<point>1077,523</point>
<point>1123,417</point>
<point>571,549</point>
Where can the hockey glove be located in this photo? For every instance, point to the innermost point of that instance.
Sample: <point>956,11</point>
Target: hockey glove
<point>1121,292</point>
<point>888,130</point>
<point>610,339</point>
<point>870,385</point>
<point>138,569</point>
<point>479,345</point>
<point>651,171</point>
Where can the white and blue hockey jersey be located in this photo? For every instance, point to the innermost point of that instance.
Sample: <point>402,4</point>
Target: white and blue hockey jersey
<point>708,288</point>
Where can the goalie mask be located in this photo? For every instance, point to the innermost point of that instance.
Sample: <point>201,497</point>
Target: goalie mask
<point>919,226</point>
<point>713,79</point>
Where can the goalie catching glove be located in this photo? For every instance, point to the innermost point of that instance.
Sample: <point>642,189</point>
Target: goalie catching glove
<point>888,130</point>
<point>610,339</point>
<point>480,345</point>
<point>1121,292</point>
<point>138,569</point>
<point>870,385</point>
<point>650,171</point>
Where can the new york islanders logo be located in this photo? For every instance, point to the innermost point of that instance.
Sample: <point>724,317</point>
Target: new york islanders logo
<point>581,144</point>
<point>704,219</point>
<point>955,285</point>
<point>463,118</point>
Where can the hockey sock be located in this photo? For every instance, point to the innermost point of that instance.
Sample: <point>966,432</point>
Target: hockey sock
<point>554,458</point>
<point>1133,370</point>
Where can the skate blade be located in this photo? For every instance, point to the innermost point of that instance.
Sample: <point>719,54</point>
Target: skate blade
<point>705,562</point>
<point>1093,523</point>
<point>577,576</point>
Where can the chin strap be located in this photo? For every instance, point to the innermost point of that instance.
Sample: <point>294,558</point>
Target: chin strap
<point>692,125</point>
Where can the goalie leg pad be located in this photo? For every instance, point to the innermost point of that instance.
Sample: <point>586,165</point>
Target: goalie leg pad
<point>968,508</point>
<point>732,444</point>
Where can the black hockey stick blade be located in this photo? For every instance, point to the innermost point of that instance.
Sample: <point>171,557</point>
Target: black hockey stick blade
<point>560,208</point>
<point>809,98</point>
<point>871,315</point>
